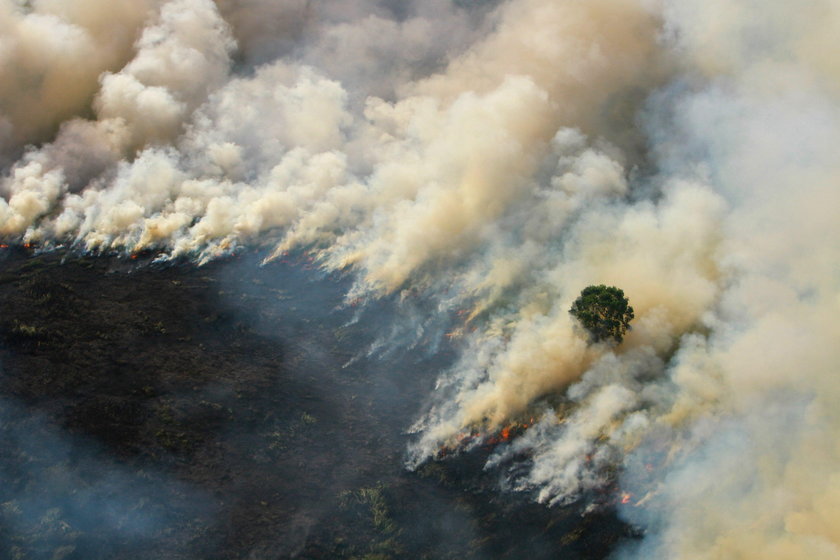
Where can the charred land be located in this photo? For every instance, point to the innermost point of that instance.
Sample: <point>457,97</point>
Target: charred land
<point>170,411</point>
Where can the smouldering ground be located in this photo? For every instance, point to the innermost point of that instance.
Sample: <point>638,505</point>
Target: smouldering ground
<point>169,411</point>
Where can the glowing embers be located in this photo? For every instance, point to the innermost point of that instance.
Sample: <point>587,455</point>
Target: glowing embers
<point>464,317</point>
<point>509,432</point>
<point>474,438</point>
<point>147,254</point>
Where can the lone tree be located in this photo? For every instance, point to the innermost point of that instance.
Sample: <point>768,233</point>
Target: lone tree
<point>604,311</point>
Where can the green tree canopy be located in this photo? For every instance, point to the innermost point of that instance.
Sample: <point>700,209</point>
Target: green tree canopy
<point>604,312</point>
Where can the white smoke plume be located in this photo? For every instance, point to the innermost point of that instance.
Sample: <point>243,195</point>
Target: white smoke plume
<point>499,157</point>
<point>52,55</point>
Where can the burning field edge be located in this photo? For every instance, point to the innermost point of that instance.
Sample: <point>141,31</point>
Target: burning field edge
<point>165,410</point>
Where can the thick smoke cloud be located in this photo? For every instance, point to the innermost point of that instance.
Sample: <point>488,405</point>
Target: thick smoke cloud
<point>52,55</point>
<point>498,157</point>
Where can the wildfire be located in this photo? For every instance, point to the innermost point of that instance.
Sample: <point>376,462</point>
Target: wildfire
<point>309,261</point>
<point>509,432</point>
<point>455,333</point>
<point>506,434</point>
<point>626,497</point>
<point>461,440</point>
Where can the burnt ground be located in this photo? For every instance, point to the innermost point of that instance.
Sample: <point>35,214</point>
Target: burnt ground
<point>230,411</point>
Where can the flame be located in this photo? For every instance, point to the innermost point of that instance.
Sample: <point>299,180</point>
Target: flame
<point>510,431</point>
<point>462,439</point>
<point>455,333</point>
<point>625,498</point>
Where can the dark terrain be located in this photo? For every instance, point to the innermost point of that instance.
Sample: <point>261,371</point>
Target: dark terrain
<point>168,411</point>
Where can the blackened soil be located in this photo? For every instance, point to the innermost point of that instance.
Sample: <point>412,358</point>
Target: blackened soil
<point>168,411</point>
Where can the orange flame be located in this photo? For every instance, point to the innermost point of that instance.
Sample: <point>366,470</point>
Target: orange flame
<point>455,333</point>
<point>507,433</point>
<point>625,498</point>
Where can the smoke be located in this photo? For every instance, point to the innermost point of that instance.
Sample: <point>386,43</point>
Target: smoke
<point>51,58</point>
<point>63,496</point>
<point>496,157</point>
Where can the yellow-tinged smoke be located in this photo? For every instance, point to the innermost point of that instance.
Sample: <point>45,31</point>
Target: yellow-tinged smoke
<point>499,156</point>
<point>52,54</point>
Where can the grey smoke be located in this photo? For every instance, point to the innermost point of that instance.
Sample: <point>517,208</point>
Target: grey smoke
<point>496,157</point>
